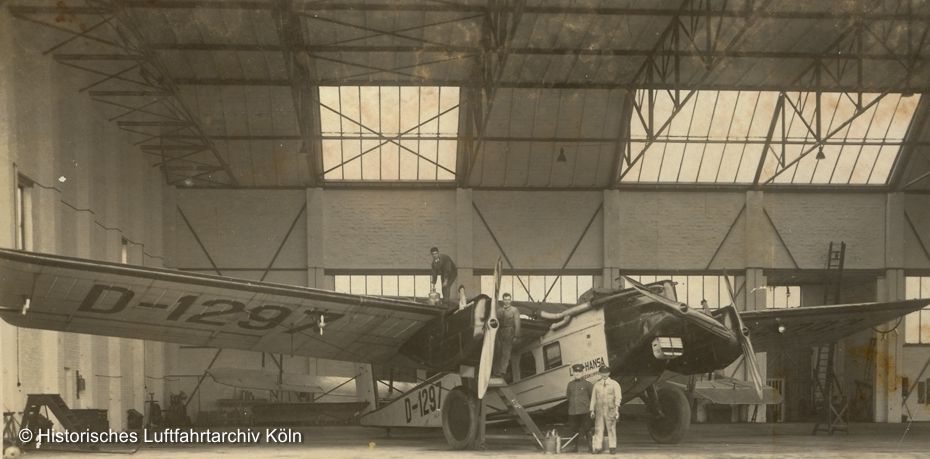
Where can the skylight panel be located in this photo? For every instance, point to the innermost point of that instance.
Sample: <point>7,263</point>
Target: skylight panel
<point>389,133</point>
<point>722,136</point>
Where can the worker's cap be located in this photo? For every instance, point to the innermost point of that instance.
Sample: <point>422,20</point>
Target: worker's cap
<point>434,250</point>
<point>604,371</point>
<point>578,367</point>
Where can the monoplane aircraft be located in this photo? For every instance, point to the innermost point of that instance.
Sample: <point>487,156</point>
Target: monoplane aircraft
<point>642,333</point>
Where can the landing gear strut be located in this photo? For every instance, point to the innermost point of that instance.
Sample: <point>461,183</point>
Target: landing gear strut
<point>671,411</point>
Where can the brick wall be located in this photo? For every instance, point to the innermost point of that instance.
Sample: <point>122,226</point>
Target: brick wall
<point>241,229</point>
<point>539,229</point>
<point>917,239</point>
<point>673,230</point>
<point>809,221</point>
<point>92,187</point>
<point>387,229</point>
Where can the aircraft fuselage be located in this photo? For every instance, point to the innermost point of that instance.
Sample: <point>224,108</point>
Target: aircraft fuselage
<point>639,338</point>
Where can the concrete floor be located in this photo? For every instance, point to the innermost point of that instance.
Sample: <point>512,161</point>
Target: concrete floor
<point>717,440</point>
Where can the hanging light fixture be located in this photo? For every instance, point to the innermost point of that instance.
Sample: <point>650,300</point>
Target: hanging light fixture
<point>562,158</point>
<point>820,154</point>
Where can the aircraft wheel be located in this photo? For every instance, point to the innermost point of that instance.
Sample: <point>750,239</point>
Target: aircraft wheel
<point>671,428</point>
<point>460,418</point>
<point>12,452</point>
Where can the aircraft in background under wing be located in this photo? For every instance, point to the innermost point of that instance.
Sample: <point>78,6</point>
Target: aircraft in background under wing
<point>641,332</point>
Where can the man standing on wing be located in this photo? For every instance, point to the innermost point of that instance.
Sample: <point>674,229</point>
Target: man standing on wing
<point>443,266</point>
<point>605,410</point>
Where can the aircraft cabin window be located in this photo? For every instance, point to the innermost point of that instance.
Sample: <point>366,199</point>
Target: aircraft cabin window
<point>917,324</point>
<point>553,355</point>
<point>527,365</point>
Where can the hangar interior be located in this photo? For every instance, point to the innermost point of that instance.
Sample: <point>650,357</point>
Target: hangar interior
<point>331,144</point>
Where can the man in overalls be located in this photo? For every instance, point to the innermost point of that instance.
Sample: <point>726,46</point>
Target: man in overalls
<point>509,332</point>
<point>605,410</point>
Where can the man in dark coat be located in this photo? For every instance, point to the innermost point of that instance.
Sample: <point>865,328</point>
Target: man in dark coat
<point>578,395</point>
<point>443,266</point>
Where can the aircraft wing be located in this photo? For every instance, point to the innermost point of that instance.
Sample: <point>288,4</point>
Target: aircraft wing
<point>109,299</point>
<point>264,380</point>
<point>816,325</point>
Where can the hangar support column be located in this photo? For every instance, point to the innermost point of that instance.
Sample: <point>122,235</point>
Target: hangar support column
<point>612,216</point>
<point>759,254</point>
<point>7,182</point>
<point>464,243</point>
<point>887,392</point>
<point>888,347</point>
<point>315,212</point>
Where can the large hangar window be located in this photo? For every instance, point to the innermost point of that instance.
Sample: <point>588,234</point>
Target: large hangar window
<point>783,297</point>
<point>542,288</point>
<point>692,289</point>
<point>23,204</point>
<point>725,136</point>
<point>402,285</point>
<point>917,324</point>
<point>389,133</point>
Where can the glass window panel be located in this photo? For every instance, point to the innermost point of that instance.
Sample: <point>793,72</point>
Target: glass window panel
<point>823,168</point>
<point>650,161</point>
<point>867,154</point>
<point>405,286</point>
<point>845,164</point>
<point>712,291</point>
<point>373,285</point>
<point>570,291</point>
<point>357,285</point>
<point>389,286</point>
<point>740,117</point>
<point>671,162</point>
<point>342,284</point>
<point>521,287</point>
<point>730,163</point>
<point>713,155</point>
<point>883,164</point>
<point>390,162</point>
<point>371,160</point>
<point>423,286</point>
<point>912,328</point>
<point>507,285</point>
<point>690,162</point>
<point>585,283</point>
<point>389,111</point>
<point>917,324</point>
<point>924,326</point>
<point>564,289</point>
<point>350,112</point>
<point>899,124</point>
